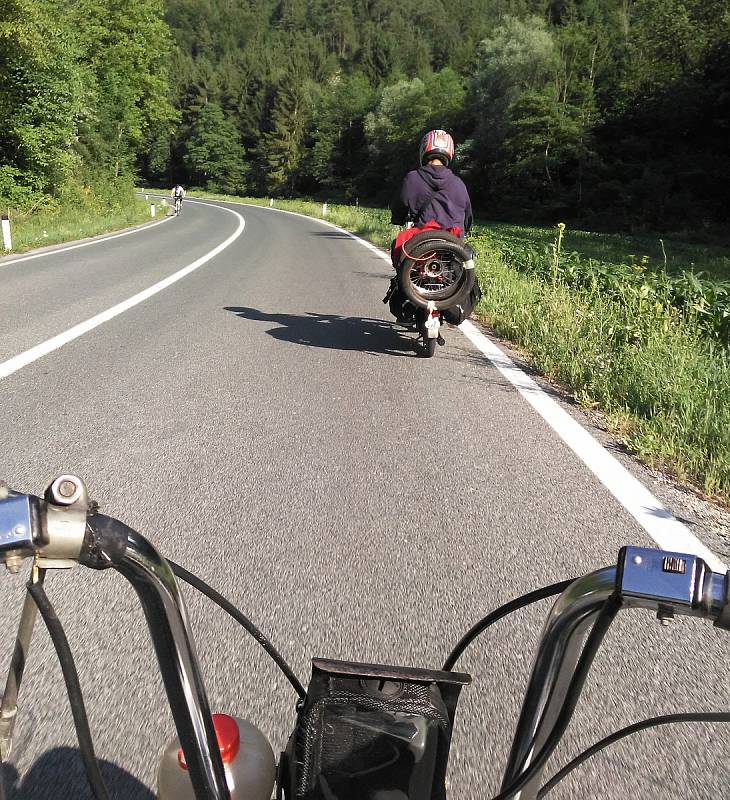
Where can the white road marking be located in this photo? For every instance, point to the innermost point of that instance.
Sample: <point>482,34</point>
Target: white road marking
<point>40,350</point>
<point>667,531</point>
<point>661,525</point>
<point>96,240</point>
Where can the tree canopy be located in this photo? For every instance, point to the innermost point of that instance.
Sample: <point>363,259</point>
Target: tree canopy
<point>614,112</point>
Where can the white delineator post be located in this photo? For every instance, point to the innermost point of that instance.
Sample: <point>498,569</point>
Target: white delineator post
<point>271,203</point>
<point>7,239</point>
<point>324,209</point>
<point>153,210</point>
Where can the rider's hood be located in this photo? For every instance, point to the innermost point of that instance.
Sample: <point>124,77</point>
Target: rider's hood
<point>436,177</point>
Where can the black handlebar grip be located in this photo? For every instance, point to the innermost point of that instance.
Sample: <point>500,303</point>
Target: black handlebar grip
<point>105,542</point>
<point>723,621</point>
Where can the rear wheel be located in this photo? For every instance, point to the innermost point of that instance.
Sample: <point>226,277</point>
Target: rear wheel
<point>429,347</point>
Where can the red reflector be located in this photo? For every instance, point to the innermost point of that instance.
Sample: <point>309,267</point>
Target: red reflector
<point>228,736</point>
<point>435,313</point>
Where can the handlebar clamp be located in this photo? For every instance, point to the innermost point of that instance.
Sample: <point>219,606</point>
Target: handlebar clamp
<point>672,583</point>
<point>659,577</point>
<point>18,521</point>
<point>52,529</point>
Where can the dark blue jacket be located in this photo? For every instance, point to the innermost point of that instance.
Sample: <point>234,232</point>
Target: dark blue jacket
<point>449,202</point>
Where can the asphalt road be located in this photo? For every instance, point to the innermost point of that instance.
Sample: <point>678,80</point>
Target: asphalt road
<point>265,423</point>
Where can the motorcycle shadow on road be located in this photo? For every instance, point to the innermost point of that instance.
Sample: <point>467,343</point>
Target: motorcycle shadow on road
<point>333,332</point>
<point>59,773</point>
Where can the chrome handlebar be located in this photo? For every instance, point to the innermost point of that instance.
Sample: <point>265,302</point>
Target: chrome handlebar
<point>159,594</point>
<point>668,583</point>
<point>64,528</point>
<point>570,619</point>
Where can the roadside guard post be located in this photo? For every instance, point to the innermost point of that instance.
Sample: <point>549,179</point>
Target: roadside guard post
<point>7,240</point>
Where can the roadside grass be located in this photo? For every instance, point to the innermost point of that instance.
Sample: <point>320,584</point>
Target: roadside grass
<point>655,252</point>
<point>659,381</point>
<point>663,388</point>
<point>72,220</point>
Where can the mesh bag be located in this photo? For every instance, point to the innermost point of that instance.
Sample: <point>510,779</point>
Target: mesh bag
<point>367,732</point>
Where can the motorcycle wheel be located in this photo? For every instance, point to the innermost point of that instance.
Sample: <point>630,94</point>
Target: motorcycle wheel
<point>429,347</point>
<point>431,269</point>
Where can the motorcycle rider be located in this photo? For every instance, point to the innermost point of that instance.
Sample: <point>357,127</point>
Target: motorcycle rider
<point>431,197</point>
<point>432,193</point>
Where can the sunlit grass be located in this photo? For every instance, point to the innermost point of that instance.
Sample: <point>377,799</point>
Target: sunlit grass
<point>70,222</point>
<point>666,389</point>
<point>617,248</point>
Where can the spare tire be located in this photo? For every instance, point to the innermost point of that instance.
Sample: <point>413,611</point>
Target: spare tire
<point>435,266</point>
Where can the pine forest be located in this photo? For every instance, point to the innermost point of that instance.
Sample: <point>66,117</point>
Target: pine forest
<point>615,113</point>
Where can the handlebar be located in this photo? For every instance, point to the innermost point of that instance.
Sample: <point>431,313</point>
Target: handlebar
<point>162,603</point>
<point>64,528</point>
<point>668,583</point>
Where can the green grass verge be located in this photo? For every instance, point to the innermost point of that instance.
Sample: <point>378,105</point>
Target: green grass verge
<point>70,221</point>
<point>662,386</point>
<point>654,252</point>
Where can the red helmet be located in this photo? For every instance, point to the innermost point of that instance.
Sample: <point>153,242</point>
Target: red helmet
<point>436,144</point>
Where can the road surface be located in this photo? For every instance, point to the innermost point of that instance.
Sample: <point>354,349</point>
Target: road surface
<point>266,424</point>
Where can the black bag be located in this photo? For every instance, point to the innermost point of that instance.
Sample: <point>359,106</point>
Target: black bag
<point>458,313</point>
<point>367,731</point>
<point>398,303</point>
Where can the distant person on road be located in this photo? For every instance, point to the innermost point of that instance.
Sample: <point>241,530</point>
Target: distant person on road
<point>177,193</point>
<point>430,198</point>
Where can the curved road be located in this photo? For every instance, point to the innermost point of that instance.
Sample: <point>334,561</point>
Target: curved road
<point>266,425</point>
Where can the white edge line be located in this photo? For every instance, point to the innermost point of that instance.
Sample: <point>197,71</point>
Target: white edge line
<point>370,246</point>
<point>657,520</point>
<point>667,531</point>
<point>54,343</point>
<point>96,240</point>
